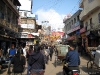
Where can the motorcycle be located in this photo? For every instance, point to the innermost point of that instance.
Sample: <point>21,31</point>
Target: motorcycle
<point>70,71</point>
<point>4,62</point>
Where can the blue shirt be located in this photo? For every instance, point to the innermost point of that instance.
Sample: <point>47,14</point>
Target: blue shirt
<point>12,52</point>
<point>72,58</point>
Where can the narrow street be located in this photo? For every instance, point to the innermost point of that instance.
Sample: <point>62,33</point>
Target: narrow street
<point>52,70</point>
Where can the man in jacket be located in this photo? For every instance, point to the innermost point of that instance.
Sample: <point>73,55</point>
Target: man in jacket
<point>36,61</point>
<point>72,58</point>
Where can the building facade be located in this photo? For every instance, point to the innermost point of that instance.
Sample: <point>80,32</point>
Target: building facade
<point>72,27</point>
<point>27,28</point>
<point>90,16</point>
<point>9,15</point>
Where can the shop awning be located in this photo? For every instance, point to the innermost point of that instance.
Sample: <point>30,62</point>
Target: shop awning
<point>71,38</point>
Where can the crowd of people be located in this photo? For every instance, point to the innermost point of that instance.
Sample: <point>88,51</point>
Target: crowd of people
<point>35,56</point>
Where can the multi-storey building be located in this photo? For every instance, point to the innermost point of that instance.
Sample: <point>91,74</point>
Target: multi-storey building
<point>72,27</point>
<point>27,28</point>
<point>90,16</point>
<point>8,22</point>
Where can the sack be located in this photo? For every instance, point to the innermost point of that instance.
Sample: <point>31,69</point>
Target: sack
<point>40,73</point>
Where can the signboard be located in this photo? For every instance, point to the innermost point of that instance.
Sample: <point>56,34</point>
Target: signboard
<point>30,26</point>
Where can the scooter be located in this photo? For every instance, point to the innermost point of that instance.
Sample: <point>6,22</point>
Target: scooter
<point>73,71</point>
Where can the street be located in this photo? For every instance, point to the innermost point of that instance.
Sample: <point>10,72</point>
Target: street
<point>52,70</point>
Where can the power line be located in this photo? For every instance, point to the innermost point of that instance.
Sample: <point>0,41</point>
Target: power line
<point>75,6</point>
<point>45,4</point>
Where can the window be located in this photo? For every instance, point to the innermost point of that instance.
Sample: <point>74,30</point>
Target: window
<point>86,24</point>
<point>91,24</point>
<point>90,20</point>
<point>8,18</point>
<point>25,14</point>
<point>1,13</point>
<point>78,18</point>
<point>2,9</point>
<point>74,20</point>
<point>99,17</point>
<point>89,1</point>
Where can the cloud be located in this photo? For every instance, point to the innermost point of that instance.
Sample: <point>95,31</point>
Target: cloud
<point>55,19</point>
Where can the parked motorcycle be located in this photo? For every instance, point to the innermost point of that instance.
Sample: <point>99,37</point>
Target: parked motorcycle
<point>72,71</point>
<point>4,62</point>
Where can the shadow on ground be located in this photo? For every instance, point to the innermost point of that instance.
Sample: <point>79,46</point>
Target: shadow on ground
<point>59,73</point>
<point>89,71</point>
<point>86,57</point>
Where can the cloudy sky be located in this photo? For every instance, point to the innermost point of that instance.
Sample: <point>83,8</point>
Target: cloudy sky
<point>53,11</point>
<point>54,18</point>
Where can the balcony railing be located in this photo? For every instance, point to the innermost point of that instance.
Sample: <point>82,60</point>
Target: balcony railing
<point>3,22</point>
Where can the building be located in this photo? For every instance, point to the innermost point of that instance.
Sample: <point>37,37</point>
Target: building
<point>90,16</point>
<point>9,15</point>
<point>72,28</point>
<point>27,28</point>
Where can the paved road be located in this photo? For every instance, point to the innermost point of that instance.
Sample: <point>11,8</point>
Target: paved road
<point>52,70</point>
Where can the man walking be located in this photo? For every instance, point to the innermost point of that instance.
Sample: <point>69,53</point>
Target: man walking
<point>12,52</point>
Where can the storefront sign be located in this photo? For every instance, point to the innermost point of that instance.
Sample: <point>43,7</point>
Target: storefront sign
<point>30,26</point>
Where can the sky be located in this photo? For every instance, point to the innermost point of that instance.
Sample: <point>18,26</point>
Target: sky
<point>52,11</point>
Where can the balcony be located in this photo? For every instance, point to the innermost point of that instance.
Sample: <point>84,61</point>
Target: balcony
<point>13,6</point>
<point>89,9</point>
<point>81,4</point>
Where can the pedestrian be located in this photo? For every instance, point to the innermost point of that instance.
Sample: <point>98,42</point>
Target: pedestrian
<point>51,52</point>
<point>24,51</point>
<point>72,58</point>
<point>12,52</point>
<point>20,48</point>
<point>18,62</point>
<point>47,52</point>
<point>29,52</point>
<point>36,61</point>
